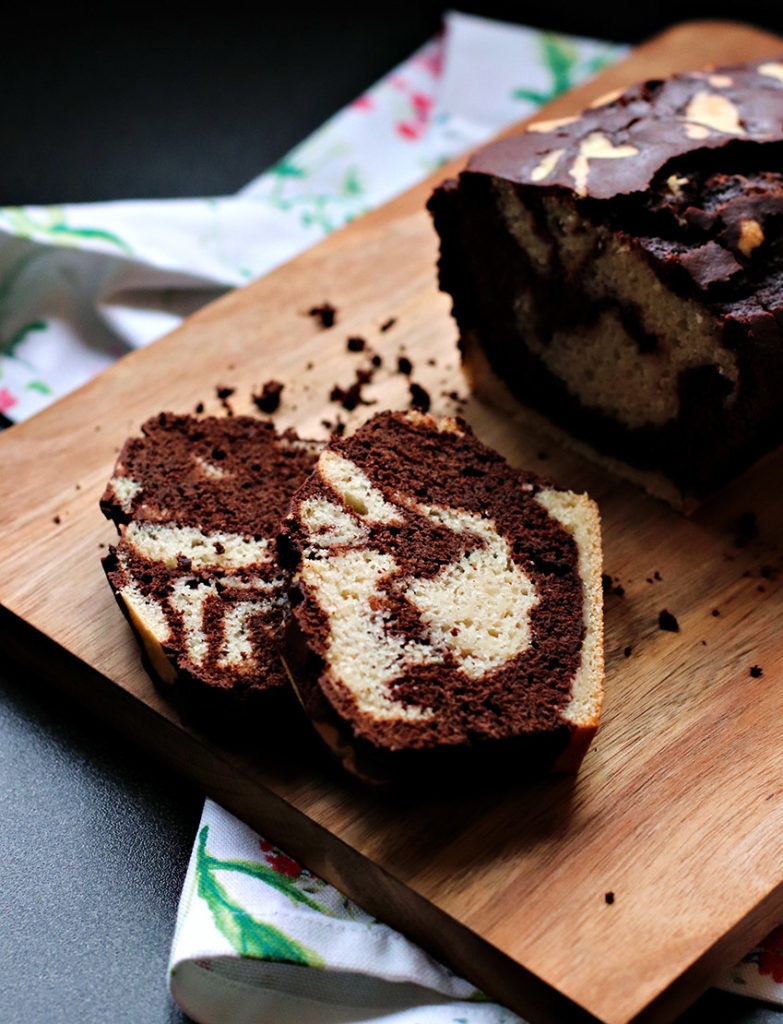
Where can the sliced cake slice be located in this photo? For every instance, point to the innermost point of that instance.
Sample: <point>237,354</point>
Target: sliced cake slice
<point>198,504</point>
<point>447,606</point>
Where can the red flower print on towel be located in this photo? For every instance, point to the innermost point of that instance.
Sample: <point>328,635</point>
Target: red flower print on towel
<point>280,861</point>
<point>7,400</point>
<point>771,955</point>
<point>414,127</point>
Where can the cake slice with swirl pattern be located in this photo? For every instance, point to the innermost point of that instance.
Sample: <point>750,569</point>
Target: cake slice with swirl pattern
<point>198,504</point>
<point>447,607</point>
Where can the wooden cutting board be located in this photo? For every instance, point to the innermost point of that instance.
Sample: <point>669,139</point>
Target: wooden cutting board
<point>678,809</point>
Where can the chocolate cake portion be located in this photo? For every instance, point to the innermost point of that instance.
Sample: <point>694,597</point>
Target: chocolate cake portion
<point>198,504</point>
<point>621,272</point>
<point>446,606</point>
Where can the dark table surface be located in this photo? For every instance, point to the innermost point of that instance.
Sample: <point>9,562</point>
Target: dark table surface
<point>95,837</point>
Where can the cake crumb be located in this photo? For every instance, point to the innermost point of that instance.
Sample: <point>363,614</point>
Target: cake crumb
<point>609,897</point>
<point>627,652</point>
<point>325,314</point>
<point>268,398</point>
<point>715,613</point>
<point>56,520</point>
<point>356,344</point>
<point>199,408</point>
<point>224,393</point>
<point>388,324</point>
<point>756,671</point>
<point>420,397</point>
<point>351,396</point>
<point>668,622</point>
<point>404,366</point>
<point>376,361</point>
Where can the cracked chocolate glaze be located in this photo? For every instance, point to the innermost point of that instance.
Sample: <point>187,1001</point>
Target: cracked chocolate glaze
<point>198,503</point>
<point>700,202</point>
<point>437,700</point>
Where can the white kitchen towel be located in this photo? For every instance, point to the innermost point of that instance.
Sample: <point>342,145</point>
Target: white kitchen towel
<point>259,938</point>
<point>80,285</point>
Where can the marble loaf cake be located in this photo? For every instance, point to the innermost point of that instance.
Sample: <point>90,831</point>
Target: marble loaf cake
<point>621,272</point>
<point>198,504</point>
<point>444,604</point>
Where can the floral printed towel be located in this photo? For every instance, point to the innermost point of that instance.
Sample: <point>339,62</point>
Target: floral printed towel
<point>259,938</point>
<point>80,285</point>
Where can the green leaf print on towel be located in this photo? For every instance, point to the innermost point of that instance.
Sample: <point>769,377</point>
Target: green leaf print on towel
<point>248,936</point>
<point>50,222</point>
<point>9,346</point>
<point>561,58</point>
<point>326,211</point>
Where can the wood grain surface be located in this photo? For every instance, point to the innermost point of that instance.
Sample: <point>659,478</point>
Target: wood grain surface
<point>678,808</point>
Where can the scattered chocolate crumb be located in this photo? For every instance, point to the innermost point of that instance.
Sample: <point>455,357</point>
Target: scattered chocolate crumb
<point>404,365</point>
<point>704,643</point>
<point>626,652</point>
<point>609,897</point>
<point>56,520</point>
<point>756,671</point>
<point>618,591</point>
<point>668,622</point>
<point>326,314</point>
<point>356,344</point>
<point>432,362</point>
<point>268,398</point>
<point>376,361</point>
<point>745,530</point>
<point>761,588</point>
<point>388,324</point>
<point>351,396</point>
<point>715,613</point>
<point>78,487</point>
<point>309,365</point>
<point>649,579</point>
<point>199,408</point>
<point>219,549</point>
<point>657,576</point>
<point>420,398</point>
<point>224,393</point>
<point>101,545</point>
<point>606,582</point>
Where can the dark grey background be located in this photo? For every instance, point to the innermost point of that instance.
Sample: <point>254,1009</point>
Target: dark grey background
<point>95,838</point>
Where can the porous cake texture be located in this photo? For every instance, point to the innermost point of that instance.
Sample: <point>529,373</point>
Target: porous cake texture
<point>198,504</point>
<point>444,603</point>
<point>621,272</point>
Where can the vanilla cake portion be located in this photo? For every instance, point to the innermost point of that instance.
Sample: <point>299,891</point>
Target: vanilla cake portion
<point>198,504</point>
<point>621,272</point>
<point>444,603</point>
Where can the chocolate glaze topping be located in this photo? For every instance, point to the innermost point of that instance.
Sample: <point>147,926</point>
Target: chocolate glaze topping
<point>620,146</point>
